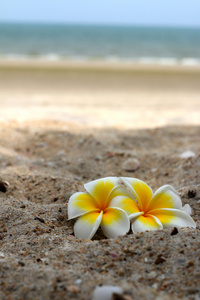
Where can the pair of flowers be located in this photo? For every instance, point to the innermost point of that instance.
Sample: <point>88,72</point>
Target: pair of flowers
<point>113,203</point>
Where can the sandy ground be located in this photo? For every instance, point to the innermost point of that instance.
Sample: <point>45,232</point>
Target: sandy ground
<point>99,95</point>
<point>64,126</point>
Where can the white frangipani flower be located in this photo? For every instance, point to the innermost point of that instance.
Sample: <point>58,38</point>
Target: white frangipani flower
<point>93,209</point>
<point>148,211</point>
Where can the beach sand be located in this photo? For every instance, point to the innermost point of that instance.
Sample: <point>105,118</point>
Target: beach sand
<point>63,125</point>
<point>100,95</point>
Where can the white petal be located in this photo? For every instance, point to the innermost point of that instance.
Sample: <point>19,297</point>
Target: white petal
<point>134,215</point>
<point>165,197</point>
<point>120,190</point>
<point>115,222</point>
<point>174,218</point>
<point>81,203</point>
<point>87,225</point>
<point>187,208</point>
<point>143,223</point>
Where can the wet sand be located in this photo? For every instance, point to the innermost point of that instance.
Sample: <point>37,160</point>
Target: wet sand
<point>100,95</point>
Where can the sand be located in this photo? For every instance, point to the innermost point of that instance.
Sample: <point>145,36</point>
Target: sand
<point>63,126</point>
<point>99,95</point>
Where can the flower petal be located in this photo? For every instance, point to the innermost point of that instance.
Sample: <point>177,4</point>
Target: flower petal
<point>101,188</point>
<point>187,208</point>
<point>147,222</point>
<point>165,197</point>
<point>174,218</point>
<point>115,222</point>
<point>119,190</point>
<point>129,205</point>
<point>134,215</point>
<point>81,203</point>
<point>140,190</point>
<point>87,225</point>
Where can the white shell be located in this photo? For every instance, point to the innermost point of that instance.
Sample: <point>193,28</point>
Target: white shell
<point>187,154</point>
<point>105,292</point>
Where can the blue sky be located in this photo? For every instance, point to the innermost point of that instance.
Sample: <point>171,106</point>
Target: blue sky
<point>136,12</point>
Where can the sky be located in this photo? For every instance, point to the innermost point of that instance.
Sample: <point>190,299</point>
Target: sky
<point>120,12</point>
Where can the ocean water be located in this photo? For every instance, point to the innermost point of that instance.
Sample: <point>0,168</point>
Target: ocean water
<point>147,45</point>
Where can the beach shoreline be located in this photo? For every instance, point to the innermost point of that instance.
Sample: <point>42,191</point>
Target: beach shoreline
<point>100,95</point>
<point>37,63</point>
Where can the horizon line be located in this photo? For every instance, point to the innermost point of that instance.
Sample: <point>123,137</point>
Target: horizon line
<point>98,24</point>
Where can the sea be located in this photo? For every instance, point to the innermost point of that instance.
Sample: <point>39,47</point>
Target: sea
<point>128,44</point>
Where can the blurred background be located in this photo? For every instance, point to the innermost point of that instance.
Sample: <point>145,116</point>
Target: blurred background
<point>102,63</point>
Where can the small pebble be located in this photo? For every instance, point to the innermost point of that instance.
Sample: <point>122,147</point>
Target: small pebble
<point>131,165</point>
<point>114,255</point>
<point>39,219</point>
<point>160,259</point>
<point>116,296</point>
<point>78,281</point>
<point>110,154</point>
<point>180,260</point>
<point>3,186</point>
<point>105,292</point>
<point>190,264</point>
<point>187,154</point>
<point>61,153</point>
<point>98,158</point>
<point>2,255</point>
<point>73,289</point>
<point>174,231</point>
<point>42,144</point>
<point>152,275</point>
<point>120,272</point>
<point>161,277</point>
<point>155,286</point>
<point>21,263</point>
<point>191,193</point>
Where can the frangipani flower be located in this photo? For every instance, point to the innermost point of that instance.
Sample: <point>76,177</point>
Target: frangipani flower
<point>93,209</point>
<point>148,211</point>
